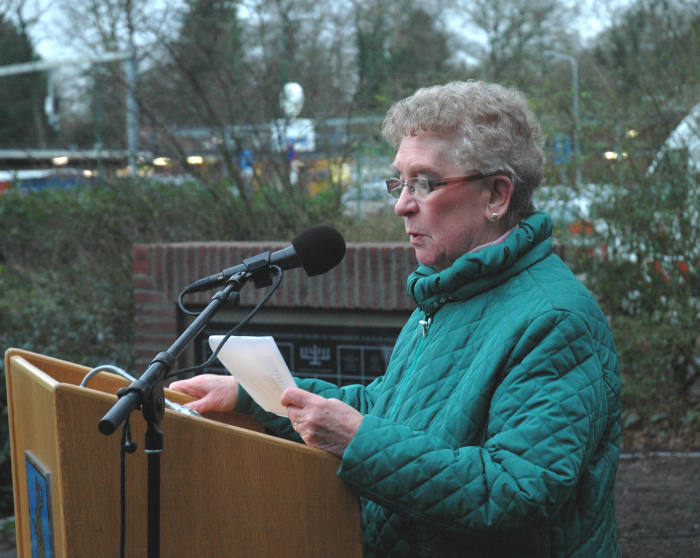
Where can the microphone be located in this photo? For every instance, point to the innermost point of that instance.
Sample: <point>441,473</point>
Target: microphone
<point>317,249</point>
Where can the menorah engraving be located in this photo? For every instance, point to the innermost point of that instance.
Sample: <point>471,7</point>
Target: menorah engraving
<point>315,354</point>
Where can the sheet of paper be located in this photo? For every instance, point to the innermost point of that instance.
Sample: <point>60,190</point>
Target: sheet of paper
<point>258,366</point>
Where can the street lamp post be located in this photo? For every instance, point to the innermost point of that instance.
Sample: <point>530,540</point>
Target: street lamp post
<point>577,117</point>
<point>132,109</point>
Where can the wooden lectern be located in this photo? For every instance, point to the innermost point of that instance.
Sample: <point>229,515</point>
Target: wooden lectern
<point>227,489</point>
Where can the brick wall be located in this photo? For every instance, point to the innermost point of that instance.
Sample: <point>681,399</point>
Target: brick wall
<point>372,276</point>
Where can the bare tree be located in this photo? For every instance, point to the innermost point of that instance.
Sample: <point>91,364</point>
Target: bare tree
<point>511,34</point>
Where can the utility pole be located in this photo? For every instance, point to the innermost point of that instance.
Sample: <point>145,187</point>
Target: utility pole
<point>576,108</point>
<point>132,107</point>
<point>132,112</point>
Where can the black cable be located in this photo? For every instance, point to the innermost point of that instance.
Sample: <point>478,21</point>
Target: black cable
<point>182,305</point>
<point>122,493</point>
<point>232,331</point>
<point>127,446</point>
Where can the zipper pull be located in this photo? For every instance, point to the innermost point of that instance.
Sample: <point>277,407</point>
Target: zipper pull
<point>425,324</point>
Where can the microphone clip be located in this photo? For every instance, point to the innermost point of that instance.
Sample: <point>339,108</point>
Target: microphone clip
<point>259,269</point>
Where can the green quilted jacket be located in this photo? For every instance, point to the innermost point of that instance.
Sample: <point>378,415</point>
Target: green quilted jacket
<point>495,431</point>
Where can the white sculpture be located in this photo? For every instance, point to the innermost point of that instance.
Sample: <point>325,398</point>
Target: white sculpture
<point>292,99</point>
<point>292,132</point>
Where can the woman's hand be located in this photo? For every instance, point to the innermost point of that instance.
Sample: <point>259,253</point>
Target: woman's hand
<point>327,424</point>
<point>215,393</point>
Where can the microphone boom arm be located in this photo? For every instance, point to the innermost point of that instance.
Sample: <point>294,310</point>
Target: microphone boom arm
<point>148,392</point>
<point>140,390</point>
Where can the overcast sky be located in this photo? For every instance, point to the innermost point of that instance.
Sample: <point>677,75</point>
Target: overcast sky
<point>48,43</point>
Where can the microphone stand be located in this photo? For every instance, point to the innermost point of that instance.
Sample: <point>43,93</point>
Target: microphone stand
<point>148,393</point>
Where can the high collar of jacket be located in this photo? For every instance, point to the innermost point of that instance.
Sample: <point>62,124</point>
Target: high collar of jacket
<point>480,271</point>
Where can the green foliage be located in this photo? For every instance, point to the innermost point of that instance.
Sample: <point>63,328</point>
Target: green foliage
<point>8,528</point>
<point>22,120</point>
<point>6,502</point>
<point>640,255</point>
<point>382,226</point>
<point>66,273</point>
<point>371,60</point>
<point>652,53</point>
<point>660,396</point>
<point>637,246</point>
<point>659,361</point>
<point>397,53</point>
<point>207,59</point>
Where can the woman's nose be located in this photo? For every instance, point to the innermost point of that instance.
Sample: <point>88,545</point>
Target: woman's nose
<point>406,205</point>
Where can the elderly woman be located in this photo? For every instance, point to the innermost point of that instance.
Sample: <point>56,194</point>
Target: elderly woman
<point>495,430</point>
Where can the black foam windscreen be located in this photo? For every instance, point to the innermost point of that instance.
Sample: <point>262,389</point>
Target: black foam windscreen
<point>319,248</point>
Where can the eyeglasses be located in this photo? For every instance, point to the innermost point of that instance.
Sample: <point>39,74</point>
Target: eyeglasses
<point>420,187</point>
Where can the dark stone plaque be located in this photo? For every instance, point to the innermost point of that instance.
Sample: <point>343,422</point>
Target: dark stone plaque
<point>339,354</point>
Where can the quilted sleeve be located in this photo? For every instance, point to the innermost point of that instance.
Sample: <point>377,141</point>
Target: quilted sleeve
<point>545,419</point>
<point>357,396</point>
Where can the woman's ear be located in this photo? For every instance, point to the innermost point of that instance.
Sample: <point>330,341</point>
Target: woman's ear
<point>501,190</point>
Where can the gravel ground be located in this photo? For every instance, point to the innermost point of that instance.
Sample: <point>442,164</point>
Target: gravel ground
<point>658,507</point>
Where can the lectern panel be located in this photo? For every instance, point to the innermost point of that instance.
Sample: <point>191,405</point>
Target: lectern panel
<point>32,428</point>
<point>226,491</point>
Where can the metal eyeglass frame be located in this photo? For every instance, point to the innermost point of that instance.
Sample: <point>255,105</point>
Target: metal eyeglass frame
<point>427,185</point>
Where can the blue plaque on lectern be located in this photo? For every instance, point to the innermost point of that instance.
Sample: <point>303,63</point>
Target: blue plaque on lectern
<point>39,496</point>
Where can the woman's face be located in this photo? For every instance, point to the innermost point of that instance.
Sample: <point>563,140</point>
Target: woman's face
<point>452,220</point>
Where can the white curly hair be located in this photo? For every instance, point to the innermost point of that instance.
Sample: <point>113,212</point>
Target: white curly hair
<point>494,131</point>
